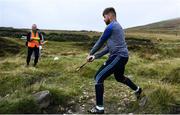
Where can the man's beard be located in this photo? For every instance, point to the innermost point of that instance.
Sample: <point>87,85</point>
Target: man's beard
<point>107,22</point>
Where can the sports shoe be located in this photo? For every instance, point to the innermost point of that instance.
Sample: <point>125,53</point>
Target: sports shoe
<point>95,110</point>
<point>138,93</point>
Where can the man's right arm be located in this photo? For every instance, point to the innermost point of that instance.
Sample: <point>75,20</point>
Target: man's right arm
<point>28,38</point>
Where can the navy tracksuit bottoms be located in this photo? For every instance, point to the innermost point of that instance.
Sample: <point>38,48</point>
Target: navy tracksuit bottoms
<point>114,65</point>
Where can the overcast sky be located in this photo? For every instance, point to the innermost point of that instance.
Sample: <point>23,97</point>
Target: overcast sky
<point>84,14</point>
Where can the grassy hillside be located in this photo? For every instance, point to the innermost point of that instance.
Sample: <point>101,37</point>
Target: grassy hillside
<point>9,47</point>
<point>153,64</point>
<point>155,67</point>
<point>171,26</point>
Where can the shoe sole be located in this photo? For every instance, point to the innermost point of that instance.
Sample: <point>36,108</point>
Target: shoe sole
<point>94,113</point>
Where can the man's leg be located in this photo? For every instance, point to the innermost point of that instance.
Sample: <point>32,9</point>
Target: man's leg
<point>119,75</point>
<point>36,52</point>
<point>106,70</point>
<point>30,51</point>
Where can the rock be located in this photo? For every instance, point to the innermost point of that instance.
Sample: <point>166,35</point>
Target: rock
<point>72,102</point>
<point>43,98</point>
<point>69,112</point>
<point>15,91</point>
<point>93,100</point>
<point>7,95</point>
<point>130,76</point>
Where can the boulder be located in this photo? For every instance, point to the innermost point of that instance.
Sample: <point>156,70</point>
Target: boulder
<point>43,98</point>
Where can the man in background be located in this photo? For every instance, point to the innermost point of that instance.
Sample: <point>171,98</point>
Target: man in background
<point>34,40</point>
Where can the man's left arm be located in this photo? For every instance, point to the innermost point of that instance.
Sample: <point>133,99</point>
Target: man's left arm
<point>102,53</point>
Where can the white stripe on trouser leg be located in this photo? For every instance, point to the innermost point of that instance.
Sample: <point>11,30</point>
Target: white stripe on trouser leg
<point>107,68</point>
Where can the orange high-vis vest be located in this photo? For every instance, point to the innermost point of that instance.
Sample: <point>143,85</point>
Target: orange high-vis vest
<point>34,40</point>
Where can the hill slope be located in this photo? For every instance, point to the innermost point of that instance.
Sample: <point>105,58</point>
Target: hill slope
<point>172,24</point>
<point>153,65</point>
<point>9,46</point>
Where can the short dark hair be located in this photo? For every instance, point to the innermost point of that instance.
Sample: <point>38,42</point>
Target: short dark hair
<point>109,10</point>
